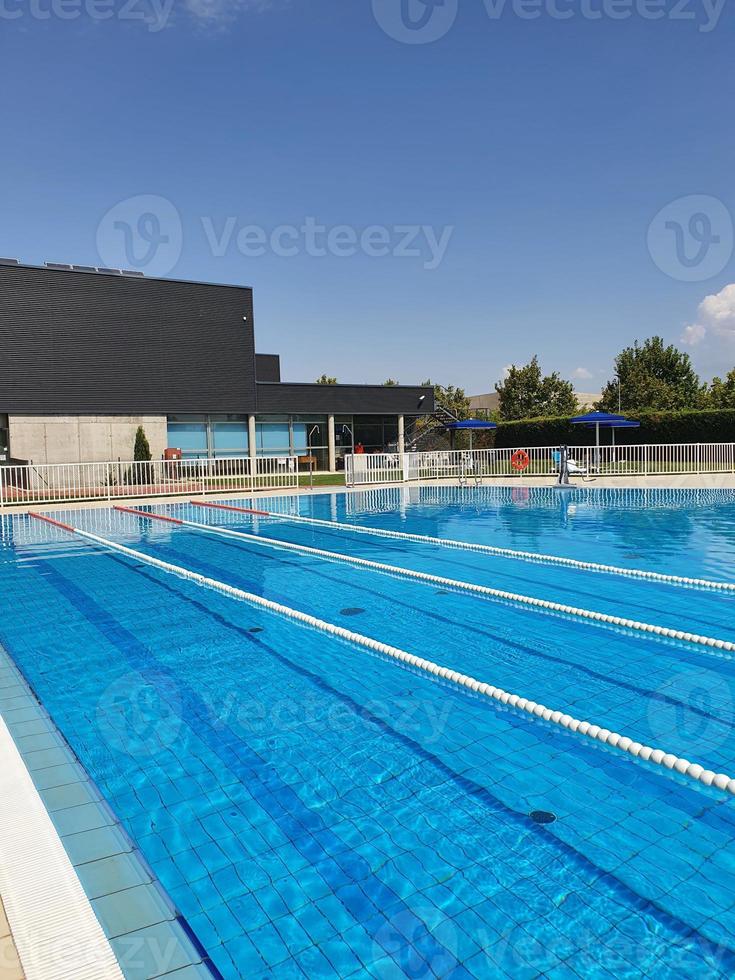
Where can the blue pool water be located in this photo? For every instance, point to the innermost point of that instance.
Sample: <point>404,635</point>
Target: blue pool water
<point>315,809</point>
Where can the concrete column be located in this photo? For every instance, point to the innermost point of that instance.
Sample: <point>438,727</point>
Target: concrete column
<point>251,437</point>
<point>401,434</point>
<point>332,445</point>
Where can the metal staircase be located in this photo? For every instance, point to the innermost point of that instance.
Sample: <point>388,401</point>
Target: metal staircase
<point>422,430</point>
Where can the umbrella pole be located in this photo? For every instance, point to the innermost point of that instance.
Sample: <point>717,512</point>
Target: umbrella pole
<point>597,453</point>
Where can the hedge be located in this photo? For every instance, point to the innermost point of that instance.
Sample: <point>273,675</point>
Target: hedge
<point>656,427</point>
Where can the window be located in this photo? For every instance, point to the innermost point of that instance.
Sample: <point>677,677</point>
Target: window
<point>273,438</point>
<point>377,433</point>
<point>202,436</point>
<point>294,435</point>
<point>229,435</point>
<point>189,434</point>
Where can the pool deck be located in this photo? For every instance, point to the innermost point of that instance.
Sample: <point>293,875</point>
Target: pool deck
<point>11,968</point>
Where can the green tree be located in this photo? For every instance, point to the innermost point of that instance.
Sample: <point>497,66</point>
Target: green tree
<point>390,383</point>
<point>721,393</point>
<point>143,471</point>
<point>326,380</point>
<point>142,449</point>
<point>453,399</point>
<point>526,393</point>
<point>652,376</point>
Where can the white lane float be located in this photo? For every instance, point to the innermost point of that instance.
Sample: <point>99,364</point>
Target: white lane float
<point>614,740</point>
<point>458,585</point>
<point>529,556</point>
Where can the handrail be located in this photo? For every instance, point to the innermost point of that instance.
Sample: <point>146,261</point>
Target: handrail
<point>115,479</point>
<point>662,459</point>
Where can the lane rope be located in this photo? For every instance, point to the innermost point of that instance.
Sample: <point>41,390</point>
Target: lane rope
<point>614,740</point>
<point>530,556</point>
<point>483,590</point>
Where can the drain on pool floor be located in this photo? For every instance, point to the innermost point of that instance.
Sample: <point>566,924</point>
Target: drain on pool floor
<point>356,611</point>
<point>542,816</point>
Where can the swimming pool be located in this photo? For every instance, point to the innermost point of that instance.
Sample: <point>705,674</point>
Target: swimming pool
<point>315,807</point>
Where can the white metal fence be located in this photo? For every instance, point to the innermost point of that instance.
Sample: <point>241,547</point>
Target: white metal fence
<point>60,482</point>
<point>478,464</point>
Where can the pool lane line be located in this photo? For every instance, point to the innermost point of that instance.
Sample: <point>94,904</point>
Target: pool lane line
<point>456,584</point>
<point>487,549</point>
<point>614,740</point>
<point>242,510</point>
<point>288,561</point>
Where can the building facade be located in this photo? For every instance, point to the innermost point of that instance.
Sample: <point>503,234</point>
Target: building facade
<point>88,355</point>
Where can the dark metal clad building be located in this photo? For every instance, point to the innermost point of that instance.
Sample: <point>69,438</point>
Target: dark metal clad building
<point>88,355</point>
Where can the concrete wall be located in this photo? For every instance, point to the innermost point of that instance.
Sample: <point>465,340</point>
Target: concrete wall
<point>83,438</point>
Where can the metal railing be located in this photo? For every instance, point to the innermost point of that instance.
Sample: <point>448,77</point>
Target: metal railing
<point>61,482</point>
<point>476,465</point>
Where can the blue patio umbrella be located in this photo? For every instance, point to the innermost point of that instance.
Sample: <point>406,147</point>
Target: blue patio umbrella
<point>597,419</point>
<point>621,424</point>
<point>624,424</point>
<point>604,420</point>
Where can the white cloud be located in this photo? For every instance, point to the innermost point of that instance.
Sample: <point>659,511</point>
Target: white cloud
<point>719,311</point>
<point>218,13</point>
<point>693,334</point>
<point>506,370</point>
<point>581,374</point>
<point>716,314</point>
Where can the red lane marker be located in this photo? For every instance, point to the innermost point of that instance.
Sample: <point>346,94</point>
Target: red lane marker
<point>153,517</point>
<point>50,520</point>
<point>240,510</point>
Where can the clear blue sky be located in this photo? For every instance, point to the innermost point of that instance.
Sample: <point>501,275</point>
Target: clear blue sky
<point>548,146</point>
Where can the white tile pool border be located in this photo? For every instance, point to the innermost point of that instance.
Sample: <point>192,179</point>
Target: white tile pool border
<point>56,932</point>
